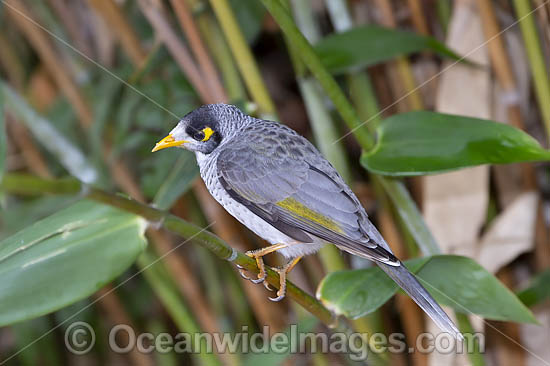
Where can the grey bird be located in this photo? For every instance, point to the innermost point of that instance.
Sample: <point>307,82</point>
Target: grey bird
<point>276,183</point>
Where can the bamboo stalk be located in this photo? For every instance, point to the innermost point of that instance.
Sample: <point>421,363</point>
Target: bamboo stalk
<point>221,52</point>
<point>188,286</point>
<point>111,305</point>
<point>204,62</point>
<point>155,275</point>
<point>475,357</point>
<point>245,60</point>
<point>123,30</point>
<point>74,30</point>
<point>9,61</point>
<point>500,62</point>
<point>23,140</point>
<point>510,352</point>
<point>536,60</point>
<point>318,70</point>
<point>177,49</point>
<point>405,81</point>
<point>46,50</point>
<point>417,16</point>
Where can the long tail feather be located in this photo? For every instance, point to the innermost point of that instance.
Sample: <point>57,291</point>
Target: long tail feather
<point>408,282</point>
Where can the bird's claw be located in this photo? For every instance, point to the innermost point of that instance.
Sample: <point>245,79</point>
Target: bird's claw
<point>241,272</point>
<point>268,287</point>
<point>262,275</point>
<point>260,279</point>
<point>278,298</point>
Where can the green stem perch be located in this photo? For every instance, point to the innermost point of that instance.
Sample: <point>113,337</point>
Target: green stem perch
<point>536,59</point>
<point>29,185</point>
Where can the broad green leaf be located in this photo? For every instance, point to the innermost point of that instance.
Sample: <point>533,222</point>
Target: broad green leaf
<point>455,281</point>
<point>370,44</point>
<point>64,258</point>
<point>418,143</point>
<point>538,291</point>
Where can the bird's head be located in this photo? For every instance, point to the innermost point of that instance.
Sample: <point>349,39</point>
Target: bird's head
<point>204,129</point>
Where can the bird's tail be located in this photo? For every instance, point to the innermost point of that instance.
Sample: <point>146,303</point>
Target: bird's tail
<point>408,282</point>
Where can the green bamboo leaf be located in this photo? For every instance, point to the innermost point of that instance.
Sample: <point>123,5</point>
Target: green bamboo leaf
<point>418,143</point>
<point>370,44</point>
<point>538,291</point>
<point>64,258</point>
<point>455,281</point>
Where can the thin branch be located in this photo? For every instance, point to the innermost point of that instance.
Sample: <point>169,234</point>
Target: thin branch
<point>46,50</point>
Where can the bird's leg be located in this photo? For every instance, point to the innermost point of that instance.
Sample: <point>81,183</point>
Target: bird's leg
<point>283,271</point>
<point>258,256</point>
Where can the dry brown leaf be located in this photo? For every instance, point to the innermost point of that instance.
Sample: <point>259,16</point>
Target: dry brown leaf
<point>510,234</point>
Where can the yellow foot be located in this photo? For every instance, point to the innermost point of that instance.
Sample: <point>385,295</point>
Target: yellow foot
<point>258,256</point>
<point>283,271</point>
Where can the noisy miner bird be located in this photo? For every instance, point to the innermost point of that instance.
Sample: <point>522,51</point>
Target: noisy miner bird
<point>276,183</point>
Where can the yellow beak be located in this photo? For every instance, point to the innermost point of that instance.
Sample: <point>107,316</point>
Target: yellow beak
<point>168,141</point>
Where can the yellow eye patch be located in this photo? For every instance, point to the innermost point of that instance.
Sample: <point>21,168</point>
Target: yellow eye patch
<point>208,132</point>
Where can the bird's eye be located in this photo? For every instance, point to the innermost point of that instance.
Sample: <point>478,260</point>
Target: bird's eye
<point>199,135</point>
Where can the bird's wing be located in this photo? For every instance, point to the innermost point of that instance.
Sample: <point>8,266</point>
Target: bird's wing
<point>276,178</point>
